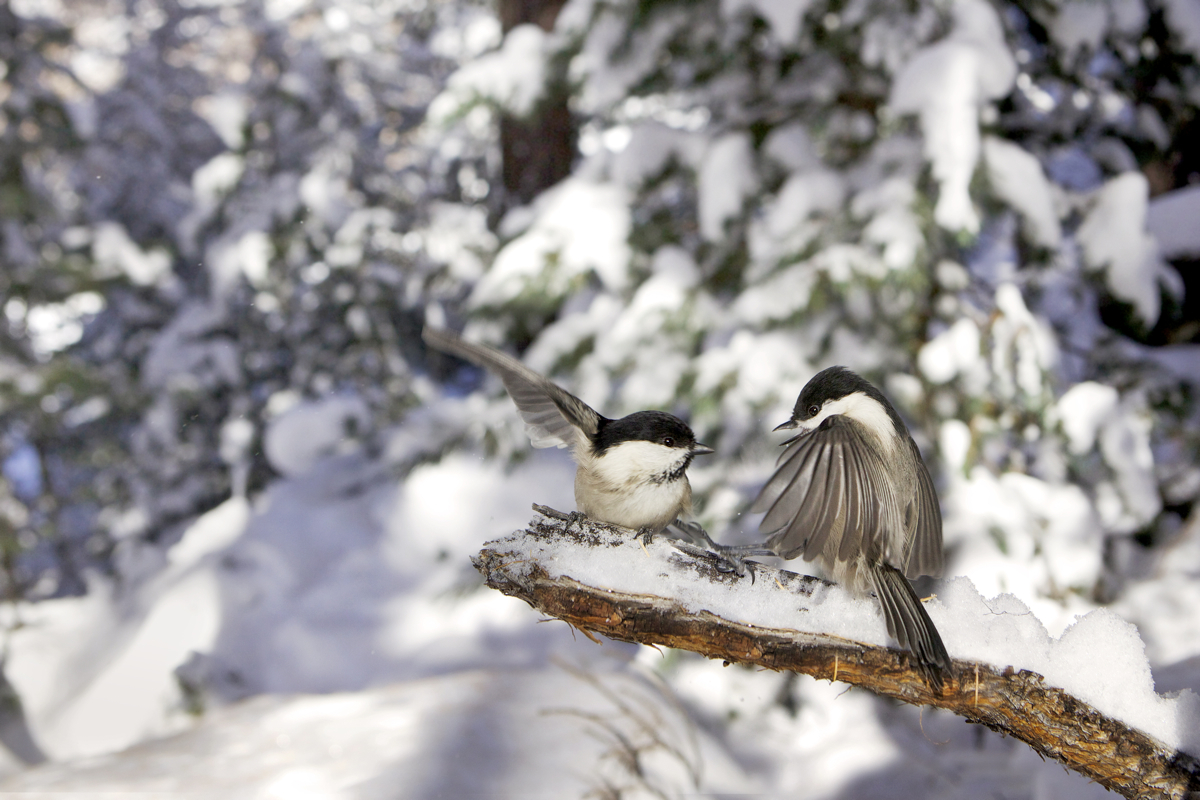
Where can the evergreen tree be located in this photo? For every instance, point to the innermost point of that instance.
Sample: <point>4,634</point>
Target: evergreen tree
<point>954,199</point>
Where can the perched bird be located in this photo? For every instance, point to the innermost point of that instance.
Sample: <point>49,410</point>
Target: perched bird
<point>852,493</point>
<point>630,472</point>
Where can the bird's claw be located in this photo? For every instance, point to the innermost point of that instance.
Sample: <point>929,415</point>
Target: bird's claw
<point>726,562</point>
<point>730,563</point>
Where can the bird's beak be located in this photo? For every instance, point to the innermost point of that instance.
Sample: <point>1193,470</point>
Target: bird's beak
<point>790,425</point>
<point>701,449</point>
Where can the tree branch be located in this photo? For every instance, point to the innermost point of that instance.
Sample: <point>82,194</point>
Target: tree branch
<point>529,565</point>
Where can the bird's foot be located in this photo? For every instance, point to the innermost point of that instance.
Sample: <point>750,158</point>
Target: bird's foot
<point>731,559</point>
<point>645,535</point>
<point>731,563</point>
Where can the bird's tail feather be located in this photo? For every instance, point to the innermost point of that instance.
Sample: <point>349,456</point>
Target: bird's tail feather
<point>909,623</point>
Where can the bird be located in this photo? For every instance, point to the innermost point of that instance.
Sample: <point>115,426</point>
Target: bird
<point>630,472</point>
<point>852,494</point>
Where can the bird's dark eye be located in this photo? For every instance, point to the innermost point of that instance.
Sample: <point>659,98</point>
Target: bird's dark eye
<point>668,441</point>
<point>814,410</point>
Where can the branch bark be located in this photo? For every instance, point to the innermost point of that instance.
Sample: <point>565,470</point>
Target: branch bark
<point>1012,701</point>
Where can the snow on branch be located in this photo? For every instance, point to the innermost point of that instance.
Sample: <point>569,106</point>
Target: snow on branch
<point>599,579</point>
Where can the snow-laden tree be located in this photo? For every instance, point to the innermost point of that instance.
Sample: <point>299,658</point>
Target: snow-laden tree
<point>212,276</point>
<point>224,224</point>
<point>951,198</point>
<point>208,220</point>
<point>984,207</point>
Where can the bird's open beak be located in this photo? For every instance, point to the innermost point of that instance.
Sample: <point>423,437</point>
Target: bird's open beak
<point>790,425</point>
<point>701,449</point>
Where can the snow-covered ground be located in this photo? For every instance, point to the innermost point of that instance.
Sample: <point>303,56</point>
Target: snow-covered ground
<point>345,608</point>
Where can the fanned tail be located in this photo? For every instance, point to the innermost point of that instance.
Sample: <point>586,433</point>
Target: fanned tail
<point>909,623</point>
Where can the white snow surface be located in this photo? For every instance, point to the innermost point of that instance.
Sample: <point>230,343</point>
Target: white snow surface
<point>1113,237</point>
<point>116,251</point>
<point>512,77</point>
<point>650,148</point>
<point>1184,19</point>
<point>946,84</point>
<point>578,226</point>
<point>1099,658</point>
<point>1082,410</point>
<point>1018,179</point>
<point>1080,25</point>
<point>785,227</point>
<point>606,80</point>
<point>313,429</point>
<point>95,672</point>
<point>726,179</point>
<point>476,733</point>
<point>954,352</point>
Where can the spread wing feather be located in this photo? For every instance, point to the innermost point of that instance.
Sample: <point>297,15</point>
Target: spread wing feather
<point>925,555</point>
<point>786,494</point>
<point>788,467</point>
<point>553,416</point>
<point>829,495</point>
<point>816,520</point>
<point>855,505</point>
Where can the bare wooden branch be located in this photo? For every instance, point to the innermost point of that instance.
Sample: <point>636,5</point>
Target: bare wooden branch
<point>1012,701</point>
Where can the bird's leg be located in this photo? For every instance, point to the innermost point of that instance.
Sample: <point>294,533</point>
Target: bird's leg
<point>733,558</point>
<point>726,563</point>
<point>691,532</point>
<point>645,535</point>
<point>677,530</point>
<point>730,558</point>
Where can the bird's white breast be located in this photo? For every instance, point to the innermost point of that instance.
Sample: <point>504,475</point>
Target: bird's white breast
<point>630,485</point>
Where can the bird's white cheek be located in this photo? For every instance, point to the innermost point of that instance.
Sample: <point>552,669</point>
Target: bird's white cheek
<point>637,462</point>
<point>828,410</point>
<point>863,410</point>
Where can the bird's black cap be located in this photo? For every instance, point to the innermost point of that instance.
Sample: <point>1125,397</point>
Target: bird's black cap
<point>648,426</point>
<point>834,383</point>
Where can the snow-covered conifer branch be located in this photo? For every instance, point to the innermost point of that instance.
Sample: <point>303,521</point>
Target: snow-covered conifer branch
<point>597,579</point>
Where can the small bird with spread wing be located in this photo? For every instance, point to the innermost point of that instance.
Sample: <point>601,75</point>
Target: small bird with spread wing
<point>852,494</point>
<point>630,471</point>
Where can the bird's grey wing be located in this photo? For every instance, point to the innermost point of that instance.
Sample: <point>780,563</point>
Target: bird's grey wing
<point>925,553</point>
<point>553,416</point>
<point>829,494</point>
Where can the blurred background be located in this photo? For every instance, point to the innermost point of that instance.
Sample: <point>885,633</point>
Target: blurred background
<point>239,498</point>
